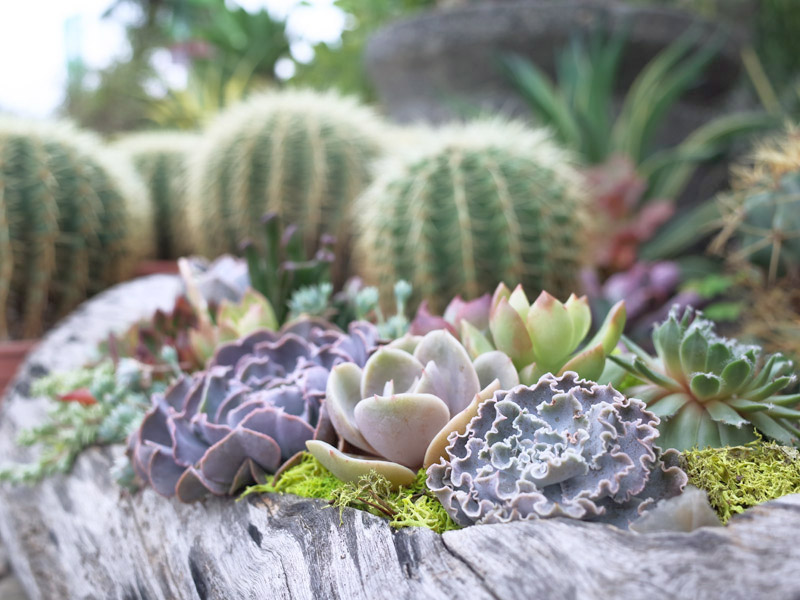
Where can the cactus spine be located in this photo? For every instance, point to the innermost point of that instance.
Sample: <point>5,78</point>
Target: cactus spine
<point>300,154</point>
<point>161,159</point>
<point>478,204</point>
<point>763,212</point>
<point>72,222</point>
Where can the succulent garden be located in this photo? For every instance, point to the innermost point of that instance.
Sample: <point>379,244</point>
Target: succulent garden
<point>585,310</point>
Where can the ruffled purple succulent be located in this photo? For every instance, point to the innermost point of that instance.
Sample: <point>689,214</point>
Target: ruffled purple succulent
<point>564,447</point>
<point>255,406</point>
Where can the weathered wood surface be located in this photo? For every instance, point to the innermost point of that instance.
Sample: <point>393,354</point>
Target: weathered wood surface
<point>80,537</point>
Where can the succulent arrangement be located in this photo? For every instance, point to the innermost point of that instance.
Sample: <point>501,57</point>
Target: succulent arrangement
<point>250,411</point>
<point>72,222</point>
<point>403,403</point>
<point>161,160</point>
<point>473,205</point>
<point>712,391</point>
<point>564,447</point>
<point>279,373</point>
<point>302,154</point>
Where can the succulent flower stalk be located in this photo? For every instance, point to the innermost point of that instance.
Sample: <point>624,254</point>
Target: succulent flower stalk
<point>712,391</point>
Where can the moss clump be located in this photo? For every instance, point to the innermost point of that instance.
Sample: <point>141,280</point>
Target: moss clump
<point>412,506</point>
<point>739,477</point>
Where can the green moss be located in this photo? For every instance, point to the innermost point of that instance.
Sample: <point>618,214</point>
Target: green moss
<point>739,477</point>
<point>413,506</point>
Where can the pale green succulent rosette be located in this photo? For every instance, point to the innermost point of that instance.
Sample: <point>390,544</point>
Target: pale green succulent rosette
<point>401,406</point>
<point>544,337</point>
<point>710,391</point>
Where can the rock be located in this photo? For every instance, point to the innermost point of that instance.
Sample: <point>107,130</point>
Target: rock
<point>79,536</point>
<point>426,66</point>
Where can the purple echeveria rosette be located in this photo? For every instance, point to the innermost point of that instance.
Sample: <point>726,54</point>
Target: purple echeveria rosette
<point>564,447</point>
<point>255,406</point>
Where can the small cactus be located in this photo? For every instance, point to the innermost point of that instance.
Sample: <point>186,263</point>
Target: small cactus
<point>475,205</point>
<point>762,215</point>
<point>301,154</point>
<point>160,158</point>
<point>73,221</point>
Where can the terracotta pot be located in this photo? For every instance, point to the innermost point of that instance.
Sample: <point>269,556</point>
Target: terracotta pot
<point>12,354</point>
<point>156,267</point>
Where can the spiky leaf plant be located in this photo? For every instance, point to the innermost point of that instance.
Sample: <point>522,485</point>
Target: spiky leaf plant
<point>73,220</point>
<point>279,265</point>
<point>301,154</point>
<point>709,390</point>
<point>161,160</point>
<point>762,215</point>
<point>474,205</point>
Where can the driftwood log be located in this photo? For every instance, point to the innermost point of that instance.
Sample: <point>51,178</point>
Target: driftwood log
<point>79,536</point>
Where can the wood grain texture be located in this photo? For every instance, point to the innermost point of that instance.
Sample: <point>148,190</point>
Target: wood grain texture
<point>80,537</point>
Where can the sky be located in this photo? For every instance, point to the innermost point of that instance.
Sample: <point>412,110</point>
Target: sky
<point>33,44</point>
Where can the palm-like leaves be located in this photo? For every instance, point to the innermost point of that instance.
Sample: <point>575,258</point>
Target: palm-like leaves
<point>579,106</point>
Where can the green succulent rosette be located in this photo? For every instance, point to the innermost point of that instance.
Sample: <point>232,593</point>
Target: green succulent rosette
<point>545,336</point>
<point>710,391</point>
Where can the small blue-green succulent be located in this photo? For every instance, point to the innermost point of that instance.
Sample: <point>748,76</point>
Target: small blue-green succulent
<point>710,391</point>
<point>565,447</point>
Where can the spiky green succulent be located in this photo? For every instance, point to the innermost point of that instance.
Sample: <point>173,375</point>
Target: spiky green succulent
<point>470,206</point>
<point>710,391</point>
<point>545,336</point>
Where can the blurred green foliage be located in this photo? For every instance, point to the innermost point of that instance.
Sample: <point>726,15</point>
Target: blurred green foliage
<point>773,23</point>
<point>228,51</point>
<point>341,66</point>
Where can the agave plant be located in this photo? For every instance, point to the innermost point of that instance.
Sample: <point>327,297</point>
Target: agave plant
<point>402,405</point>
<point>709,390</point>
<point>544,337</point>
<point>254,407</point>
<point>563,448</point>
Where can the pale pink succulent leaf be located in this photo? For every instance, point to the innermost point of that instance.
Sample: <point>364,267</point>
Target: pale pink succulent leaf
<point>350,468</point>
<point>400,427</point>
<point>389,364</point>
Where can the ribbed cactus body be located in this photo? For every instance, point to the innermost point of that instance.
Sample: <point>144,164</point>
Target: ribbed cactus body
<point>161,160</point>
<point>301,154</point>
<point>475,205</point>
<point>772,223</point>
<point>763,212</point>
<point>72,222</point>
